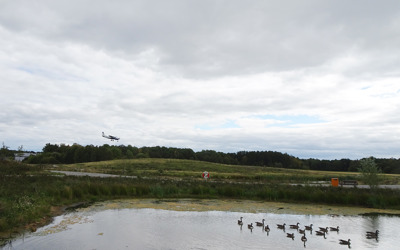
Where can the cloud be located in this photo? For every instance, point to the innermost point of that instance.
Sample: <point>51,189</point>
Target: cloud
<point>208,38</point>
<point>313,79</point>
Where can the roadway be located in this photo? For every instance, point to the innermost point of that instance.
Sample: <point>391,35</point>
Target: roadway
<point>72,173</point>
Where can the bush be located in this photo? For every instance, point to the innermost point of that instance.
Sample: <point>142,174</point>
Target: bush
<point>370,172</point>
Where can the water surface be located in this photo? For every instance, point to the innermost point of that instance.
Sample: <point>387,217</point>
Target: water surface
<point>110,226</point>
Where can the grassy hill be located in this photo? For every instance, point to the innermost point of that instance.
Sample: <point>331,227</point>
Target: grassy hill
<point>192,170</point>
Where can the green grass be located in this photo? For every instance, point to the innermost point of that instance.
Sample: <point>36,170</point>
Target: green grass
<point>190,169</point>
<point>28,192</point>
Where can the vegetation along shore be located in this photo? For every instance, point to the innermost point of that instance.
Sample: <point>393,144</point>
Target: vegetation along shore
<point>30,194</point>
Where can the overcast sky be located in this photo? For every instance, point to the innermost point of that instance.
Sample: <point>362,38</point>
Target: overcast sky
<point>311,78</point>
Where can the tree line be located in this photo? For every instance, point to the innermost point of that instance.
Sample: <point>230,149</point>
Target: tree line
<point>67,154</point>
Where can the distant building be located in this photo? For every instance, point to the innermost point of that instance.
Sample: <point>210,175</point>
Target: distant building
<point>22,156</point>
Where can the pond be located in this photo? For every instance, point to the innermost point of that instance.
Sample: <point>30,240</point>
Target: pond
<point>189,225</point>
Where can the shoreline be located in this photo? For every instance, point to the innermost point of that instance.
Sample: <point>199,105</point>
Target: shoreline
<point>44,221</point>
<point>244,206</point>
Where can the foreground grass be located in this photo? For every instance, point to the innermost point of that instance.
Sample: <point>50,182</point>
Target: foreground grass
<point>28,193</point>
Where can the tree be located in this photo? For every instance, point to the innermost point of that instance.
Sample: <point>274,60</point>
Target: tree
<point>50,148</point>
<point>20,151</point>
<point>370,172</point>
<point>6,153</point>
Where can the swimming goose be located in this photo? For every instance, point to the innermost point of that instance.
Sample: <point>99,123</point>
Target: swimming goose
<point>267,228</point>
<point>372,236</point>
<point>324,229</point>
<point>295,226</point>
<point>281,226</point>
<point>344,242</point>
<point>373,233</point>
<point>301,231</point>
<point>335,229</point>
<point>240,222</point>
<point>309,227</point>
<point>320,233</point>
<point>290,235</point>
<point>260,224</point>
<point>250,226</point>
<point>304,239</point>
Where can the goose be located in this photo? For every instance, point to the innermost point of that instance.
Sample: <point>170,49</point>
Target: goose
<point>301,231</point>
<point>295,226</point>
<point>344,242</point>
<point>290,235</point>
<point>372,236</point>
<point>260,224</point>
<point>309,228</point>
<point>250,226</point>
<point>373,233</point>
<point>304,239</point>
<point>320,233</point>
<point>281,226</point>
<point>240,222</point>
<point>334,229</point>
<point>324,229</point>
<point>267,228</point>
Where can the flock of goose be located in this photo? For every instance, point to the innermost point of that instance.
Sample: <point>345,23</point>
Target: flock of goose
<point>321,232</point>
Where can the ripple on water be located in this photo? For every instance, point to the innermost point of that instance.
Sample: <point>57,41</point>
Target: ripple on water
<point>136,225</point>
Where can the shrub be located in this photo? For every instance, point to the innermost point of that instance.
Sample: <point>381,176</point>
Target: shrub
<point>370,172</point>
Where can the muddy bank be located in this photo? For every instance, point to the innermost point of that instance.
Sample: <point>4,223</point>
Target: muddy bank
<point>236,206</point>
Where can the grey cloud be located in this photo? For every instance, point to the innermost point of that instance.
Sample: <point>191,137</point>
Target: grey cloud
<point>211,38</point>
<point>71,70</point>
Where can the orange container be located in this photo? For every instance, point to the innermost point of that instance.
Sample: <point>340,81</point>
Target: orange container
<point>335,182</point>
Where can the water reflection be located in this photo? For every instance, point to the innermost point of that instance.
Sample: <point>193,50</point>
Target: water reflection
<point>147,228</point>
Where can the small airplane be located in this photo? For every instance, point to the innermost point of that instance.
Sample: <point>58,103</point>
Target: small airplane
<point>111,137</point>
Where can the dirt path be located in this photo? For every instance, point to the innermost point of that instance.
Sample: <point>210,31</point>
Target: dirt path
<point>73,173</point>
